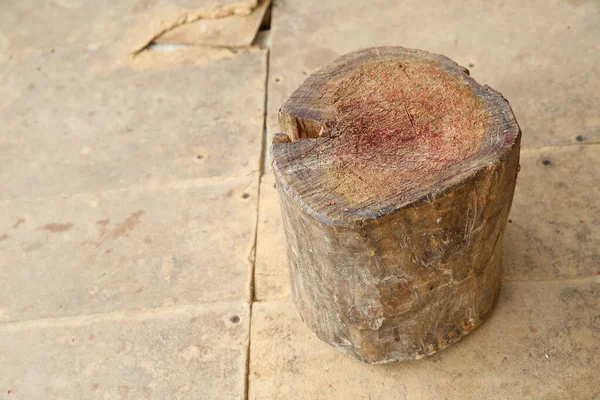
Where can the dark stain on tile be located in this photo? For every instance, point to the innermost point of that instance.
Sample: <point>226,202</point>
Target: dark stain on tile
<point>4,237</point>
<point>123,390</point>
<point>55,227</point>
<point>32,247</point>
<point>119,230</point>
<point>19,222</point>
<point>576,3</point>
<point>128,225</point>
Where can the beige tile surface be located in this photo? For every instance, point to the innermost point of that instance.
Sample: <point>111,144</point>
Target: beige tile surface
<point>540,343</point>
<point>126,250</point>
<point>542,55</point>
<point>271,273</point>
<point>188,353</point>
<point>81,113</point>
<point>125,26</point>
<point>72,130</point>
<point>554,226</point>
<point>64,23</point>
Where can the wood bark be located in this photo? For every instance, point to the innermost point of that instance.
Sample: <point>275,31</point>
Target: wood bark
<point>395,179</point>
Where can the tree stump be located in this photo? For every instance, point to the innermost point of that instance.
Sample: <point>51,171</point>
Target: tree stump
<point>395,175</point>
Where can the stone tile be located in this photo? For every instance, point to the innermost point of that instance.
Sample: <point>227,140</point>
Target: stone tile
<point>24,24</point>
<point>136,249</point>
<point>554,226</point>
<point>520,49</point>
<point>188,353</point>
<point>271,272</point>
<point>69,128</point>
<point>541,342</point>
<point>45,25</point>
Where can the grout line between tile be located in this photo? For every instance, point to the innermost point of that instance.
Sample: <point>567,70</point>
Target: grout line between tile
<point>137,315</point>
<point>526,150</point>
<point>176,184</point>
<point>253,264</point>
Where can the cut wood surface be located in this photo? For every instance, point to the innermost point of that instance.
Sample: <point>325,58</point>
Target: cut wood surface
<point>395,181</point>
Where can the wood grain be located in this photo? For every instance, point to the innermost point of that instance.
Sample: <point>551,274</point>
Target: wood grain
<point>395,186</point>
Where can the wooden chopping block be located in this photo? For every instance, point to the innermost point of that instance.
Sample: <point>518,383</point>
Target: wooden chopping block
<point>396,173</point>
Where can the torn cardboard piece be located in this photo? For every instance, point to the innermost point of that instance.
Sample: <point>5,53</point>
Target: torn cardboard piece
<point>232,31</point>
<point>161,20</point>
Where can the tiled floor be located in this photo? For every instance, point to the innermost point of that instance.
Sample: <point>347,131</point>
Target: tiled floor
<point>141,248</point>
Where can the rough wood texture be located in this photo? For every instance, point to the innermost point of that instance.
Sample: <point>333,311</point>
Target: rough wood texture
<point>395,190</point>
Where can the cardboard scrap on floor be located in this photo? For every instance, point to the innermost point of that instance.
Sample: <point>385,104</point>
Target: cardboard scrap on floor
<point>230,31</point>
